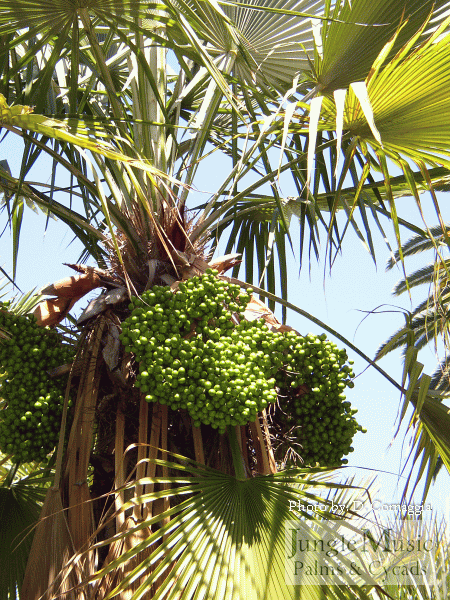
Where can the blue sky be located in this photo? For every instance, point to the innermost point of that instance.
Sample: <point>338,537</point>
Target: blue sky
<point>356,285</point>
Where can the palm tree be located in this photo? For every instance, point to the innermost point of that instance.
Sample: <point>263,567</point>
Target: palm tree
<point>280,87</point>
<point>428,320</point>
<point>427,323</point>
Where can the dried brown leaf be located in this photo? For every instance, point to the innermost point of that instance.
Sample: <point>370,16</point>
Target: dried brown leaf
<point>76,285</point>
<point>223,263</point>
<point>51,312</point>
<point>51,550</point>
<point>117,549</point>
<point>111,351</point>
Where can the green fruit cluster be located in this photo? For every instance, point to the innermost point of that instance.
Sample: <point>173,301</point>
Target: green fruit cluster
<point>193,356</point>
<point>195,353</point>
<point>311,385</point>
<point>31,417</point>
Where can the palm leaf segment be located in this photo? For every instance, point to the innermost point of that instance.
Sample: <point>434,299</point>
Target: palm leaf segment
<point>276,42</point>
<point>409,121</point>
<point>349,51</point>
<point>89,136</point>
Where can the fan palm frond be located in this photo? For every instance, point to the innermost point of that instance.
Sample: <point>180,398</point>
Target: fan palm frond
<point>22,492</point>
<point>219,521</point>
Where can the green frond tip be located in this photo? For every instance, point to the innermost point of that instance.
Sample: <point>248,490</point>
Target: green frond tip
<point>77,132</point>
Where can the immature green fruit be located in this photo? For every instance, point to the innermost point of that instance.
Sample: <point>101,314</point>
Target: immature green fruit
<point>193,355</point>
<point>29,425</point>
